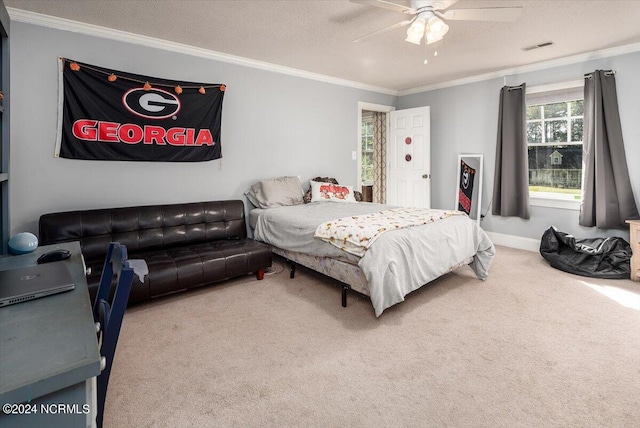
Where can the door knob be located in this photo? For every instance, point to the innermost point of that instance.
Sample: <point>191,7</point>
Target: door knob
<point>426,175</point>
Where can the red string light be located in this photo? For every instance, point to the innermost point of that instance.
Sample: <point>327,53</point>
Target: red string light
<point>112,77</point>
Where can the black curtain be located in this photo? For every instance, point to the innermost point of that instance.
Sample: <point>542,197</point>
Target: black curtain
<point>607,197</point>
<point>511,178</point>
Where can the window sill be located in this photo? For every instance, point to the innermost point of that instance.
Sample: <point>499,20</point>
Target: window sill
<point>554,202</point>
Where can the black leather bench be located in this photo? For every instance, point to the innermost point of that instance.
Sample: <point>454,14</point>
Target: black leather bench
<point>184,245</point>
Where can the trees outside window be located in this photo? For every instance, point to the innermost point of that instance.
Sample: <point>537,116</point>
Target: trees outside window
<point>554,140</point>
<point>366,148</point>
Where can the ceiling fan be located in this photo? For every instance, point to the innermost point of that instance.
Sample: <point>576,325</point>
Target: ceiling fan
<point>429,16</point>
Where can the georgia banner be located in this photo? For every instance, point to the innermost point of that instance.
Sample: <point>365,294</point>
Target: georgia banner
<point>112,115</point>
<point>465,192</point>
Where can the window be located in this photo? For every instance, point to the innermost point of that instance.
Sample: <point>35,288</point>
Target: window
<point>366,148</point>
<point>554,142</point>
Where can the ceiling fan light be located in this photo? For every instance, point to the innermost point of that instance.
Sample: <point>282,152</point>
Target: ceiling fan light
<point>416,31</point>
<point>416,40</point>
<point>430,38</point>
<point>436,31</point>
<point>437,27</point>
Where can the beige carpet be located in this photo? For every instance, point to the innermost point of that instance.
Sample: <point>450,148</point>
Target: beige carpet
<point>530,347</point>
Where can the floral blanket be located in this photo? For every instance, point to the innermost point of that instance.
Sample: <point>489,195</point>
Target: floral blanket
<point>356,234</point>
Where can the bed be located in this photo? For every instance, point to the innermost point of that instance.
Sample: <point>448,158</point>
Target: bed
<point>397,263</point>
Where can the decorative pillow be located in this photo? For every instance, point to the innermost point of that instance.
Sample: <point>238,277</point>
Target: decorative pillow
<point>307,196</point>
<point>276,192</point>
<point>321,191</point>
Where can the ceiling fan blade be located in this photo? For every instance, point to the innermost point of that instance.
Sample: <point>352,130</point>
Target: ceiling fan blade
<point>384,30</point>
<point>385,5</point>
<point>483,14</point>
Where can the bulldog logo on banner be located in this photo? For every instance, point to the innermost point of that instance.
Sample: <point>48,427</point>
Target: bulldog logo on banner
<point>465,191</point>
<point>113,115</point>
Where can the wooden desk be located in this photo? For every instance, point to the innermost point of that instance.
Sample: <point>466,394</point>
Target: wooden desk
<point>49,351</point>
<point>634,237</point>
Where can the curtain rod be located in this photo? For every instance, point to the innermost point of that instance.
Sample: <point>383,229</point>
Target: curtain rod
<point>606,73</point>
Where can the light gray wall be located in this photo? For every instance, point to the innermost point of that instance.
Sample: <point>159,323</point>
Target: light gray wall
<point>464,119</point>
<point>272,125</point>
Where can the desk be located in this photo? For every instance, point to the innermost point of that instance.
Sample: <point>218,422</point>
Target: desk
<point>49,350</point>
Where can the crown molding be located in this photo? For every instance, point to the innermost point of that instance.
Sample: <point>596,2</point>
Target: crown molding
<point>573,59</point>
<point>64,24</point>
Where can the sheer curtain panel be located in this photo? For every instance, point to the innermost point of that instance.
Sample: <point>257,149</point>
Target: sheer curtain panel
<point>511,178</point>
<point>607,197</point>
<point>379,157</point>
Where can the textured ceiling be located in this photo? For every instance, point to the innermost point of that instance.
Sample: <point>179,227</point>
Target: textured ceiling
<point>316,35</point>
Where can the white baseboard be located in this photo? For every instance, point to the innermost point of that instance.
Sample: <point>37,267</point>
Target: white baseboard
<point>512,241</point>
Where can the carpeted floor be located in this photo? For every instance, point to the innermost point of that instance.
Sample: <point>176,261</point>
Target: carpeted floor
<point>530,347</point>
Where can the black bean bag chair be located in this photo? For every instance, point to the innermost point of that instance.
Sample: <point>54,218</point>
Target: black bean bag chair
<point>597,257</point>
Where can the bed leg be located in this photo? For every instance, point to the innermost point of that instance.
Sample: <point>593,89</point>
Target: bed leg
<point>345,287</point>
<point>260,274</point>
<point>293,269</point>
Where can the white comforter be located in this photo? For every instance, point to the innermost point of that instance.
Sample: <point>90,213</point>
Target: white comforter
<point>399,262</point>
<point>356,233</point>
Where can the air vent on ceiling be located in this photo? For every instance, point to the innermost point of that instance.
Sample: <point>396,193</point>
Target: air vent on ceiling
<point>540,45</point>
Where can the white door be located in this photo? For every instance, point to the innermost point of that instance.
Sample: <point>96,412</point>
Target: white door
<point>409,158</point>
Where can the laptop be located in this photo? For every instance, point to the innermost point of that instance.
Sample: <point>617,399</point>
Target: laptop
<point>31,282</point>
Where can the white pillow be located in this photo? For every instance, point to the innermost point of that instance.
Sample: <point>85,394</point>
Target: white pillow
<point>276,192</point>
<point>322,192</point>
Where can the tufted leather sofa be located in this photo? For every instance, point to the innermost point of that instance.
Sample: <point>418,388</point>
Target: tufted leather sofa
<point>184,245</point>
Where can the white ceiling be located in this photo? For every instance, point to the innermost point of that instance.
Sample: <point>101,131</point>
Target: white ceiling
<point>316,36</point>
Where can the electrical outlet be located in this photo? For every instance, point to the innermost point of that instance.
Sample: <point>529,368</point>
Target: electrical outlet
<point>354,155</point>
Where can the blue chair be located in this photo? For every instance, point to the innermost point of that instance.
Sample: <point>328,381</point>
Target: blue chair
<point>108,313</point>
